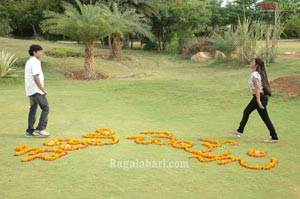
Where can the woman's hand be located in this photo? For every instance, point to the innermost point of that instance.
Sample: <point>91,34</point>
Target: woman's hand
<point>260,105</point>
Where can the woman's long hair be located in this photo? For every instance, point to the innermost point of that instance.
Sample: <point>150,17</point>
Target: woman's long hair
<point>261,69</point>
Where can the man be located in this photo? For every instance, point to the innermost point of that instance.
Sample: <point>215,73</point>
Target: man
<point>34,86</point>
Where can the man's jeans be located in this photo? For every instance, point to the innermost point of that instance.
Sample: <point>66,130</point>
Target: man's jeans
<point>35,100</point>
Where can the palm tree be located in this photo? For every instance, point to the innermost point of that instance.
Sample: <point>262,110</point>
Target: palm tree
<point>144,7</point>
<point>125,22</point>
<point>86,24</point>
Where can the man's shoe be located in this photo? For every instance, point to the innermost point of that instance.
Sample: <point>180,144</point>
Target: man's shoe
<point>29,134</point>
<point>35,133</point>
<point>42,133</point>
<point>271,141</point>
<point>236,133</point>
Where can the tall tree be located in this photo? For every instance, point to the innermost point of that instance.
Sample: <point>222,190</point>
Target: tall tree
<point>181,18</point>
<point>86,24</point>
<point>219,15</point>
<point>125,22</point>
<point>293,24</point>
<point>24,16</point>
<point>143,7</point>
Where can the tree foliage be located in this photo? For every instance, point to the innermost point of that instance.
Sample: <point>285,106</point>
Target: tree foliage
<point>124,22</point>
<point>182,18</point>
<point>224,43</point>
<point>293,24</point>
<point>25,15</point>
<point>84,23</point>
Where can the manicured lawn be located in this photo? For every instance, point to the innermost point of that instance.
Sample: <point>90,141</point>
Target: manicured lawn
<point>190,100</point>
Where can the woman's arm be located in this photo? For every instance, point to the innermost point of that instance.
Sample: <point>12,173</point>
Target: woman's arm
<point>257,93</point>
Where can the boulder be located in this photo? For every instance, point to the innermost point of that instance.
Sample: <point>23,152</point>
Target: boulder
<point>201,56</point>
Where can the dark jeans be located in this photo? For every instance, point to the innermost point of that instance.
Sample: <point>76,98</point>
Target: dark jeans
<point>262,112</point>
<point>35,100</point>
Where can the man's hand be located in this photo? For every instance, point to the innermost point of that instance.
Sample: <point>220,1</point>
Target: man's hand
<point>38,83</point>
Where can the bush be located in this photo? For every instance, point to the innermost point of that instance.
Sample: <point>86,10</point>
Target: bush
<point>191,48</point>
<point>7,61</point>
<point>20,63</point>
<point>64,52</point>
<point>149,45</point>
<point>5,28</point>
<point>173,45</point>
<point>225,44</point>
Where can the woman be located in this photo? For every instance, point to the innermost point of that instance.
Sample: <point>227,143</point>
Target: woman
<point>260,88</point>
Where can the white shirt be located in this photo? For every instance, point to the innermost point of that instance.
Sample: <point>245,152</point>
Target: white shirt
<point>32,68</point>
<point>257,76</point>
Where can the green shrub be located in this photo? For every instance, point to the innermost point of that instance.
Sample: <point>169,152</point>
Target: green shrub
<point>20,63</point>
<point>7,61</point>
<point>173,45</point>
<point>5,28</point>
<point>64,52</point>
<point>225,44</point>
<point>149,45</point>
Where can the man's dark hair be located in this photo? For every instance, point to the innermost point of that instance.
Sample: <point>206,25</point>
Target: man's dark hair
<point>34,48</point>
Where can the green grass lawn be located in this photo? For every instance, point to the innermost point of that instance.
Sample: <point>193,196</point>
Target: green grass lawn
<point>191,100</point>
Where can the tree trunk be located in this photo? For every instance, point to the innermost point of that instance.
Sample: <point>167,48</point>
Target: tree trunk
<point>34,31</point>
<point>116,46</point>
<point>131,42</point>
<point>109,43</point>
<point>126,41</point>
<point>90,72</point>
<point>267,38</point>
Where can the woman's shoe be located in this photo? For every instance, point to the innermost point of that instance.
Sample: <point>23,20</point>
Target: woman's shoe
<point>236,133</point>
<point>271,141</point>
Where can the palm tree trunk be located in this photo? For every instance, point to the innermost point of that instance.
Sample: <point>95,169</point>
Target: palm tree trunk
<point>90,72</point>
<point>109,43</point>
<point>116,46</point>
<point>126,41</point>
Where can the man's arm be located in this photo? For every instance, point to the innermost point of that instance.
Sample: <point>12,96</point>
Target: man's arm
<point>38,83</point>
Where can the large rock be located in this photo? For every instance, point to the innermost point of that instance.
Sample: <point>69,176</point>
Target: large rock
<point>201,56</point>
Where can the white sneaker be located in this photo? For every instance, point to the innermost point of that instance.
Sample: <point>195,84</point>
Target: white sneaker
<point>236,133</point>
<point>34,133</point>
<point>42,133</point>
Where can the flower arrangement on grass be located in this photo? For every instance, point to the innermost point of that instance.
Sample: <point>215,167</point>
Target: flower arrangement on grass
<point>256,153</point>
<point>35,152</point>
<point>273,162</point>
<point>100,137</point>
<point>103,133</point>
<point>203,155</point>
<point>67,144</point>
<point>156,138</point>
